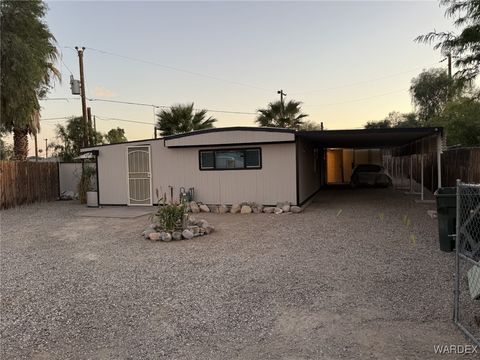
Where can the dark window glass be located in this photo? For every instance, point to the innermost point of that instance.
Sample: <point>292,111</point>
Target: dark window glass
<point>252,158</point>
<point>206,160</point>
<point>230,159</point>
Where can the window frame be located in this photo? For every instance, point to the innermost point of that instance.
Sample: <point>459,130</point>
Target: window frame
<point>243,149</point>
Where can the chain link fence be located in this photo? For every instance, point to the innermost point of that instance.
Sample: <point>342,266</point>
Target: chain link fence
<point>467,261</point>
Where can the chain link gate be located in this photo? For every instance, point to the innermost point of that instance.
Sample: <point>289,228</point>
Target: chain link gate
<point>467,261</point>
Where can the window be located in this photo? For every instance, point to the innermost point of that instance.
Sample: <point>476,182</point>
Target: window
<point>230,159</point>
<point>207,160</point>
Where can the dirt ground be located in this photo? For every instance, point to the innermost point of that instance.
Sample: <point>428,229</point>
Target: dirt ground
<point>358,275</point>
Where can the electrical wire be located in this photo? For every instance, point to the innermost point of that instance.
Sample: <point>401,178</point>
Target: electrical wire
<point>58,118</point>
<point>360,99</point>
<point>170,107</point>
<point>124,120</point>
<point>179,69</point>
<point>152,105</point>
<point>361,82</point>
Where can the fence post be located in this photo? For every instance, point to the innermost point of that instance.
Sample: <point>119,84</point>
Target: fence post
<point>457,259</point>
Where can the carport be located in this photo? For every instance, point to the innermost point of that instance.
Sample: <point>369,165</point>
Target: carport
<point>397,149</point>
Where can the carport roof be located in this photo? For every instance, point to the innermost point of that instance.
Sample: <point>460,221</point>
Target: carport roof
<point>368,138</point>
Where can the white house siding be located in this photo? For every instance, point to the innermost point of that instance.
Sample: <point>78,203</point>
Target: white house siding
<point>179,167</point>
<point>309,174</point>
<point>275,181</point>
<point>231,137</point>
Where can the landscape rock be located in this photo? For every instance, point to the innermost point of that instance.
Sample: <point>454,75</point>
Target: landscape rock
<point>222,209</point>
<point>177,235</point>
<point>154,236</point>
<point>194,208</point>
<point>235,208</point>
<point>150,226</point>
<point>281,204</point>
<point>203,223</point>
<point>194,229</point>
<point>213,208</point>
<point>277,211</point>
<point>204,208</point>
<point>202,231</point>
<point>187,234</point>
<point>191,221</point>
<point>68,195</point>
<point>286,208</point>
<point>295,209</point>
<point>257,209</point>
<point>165,236</point>
<point>268,209</point>
<point>209,229</point>
<point>147,232</point>
<point>246,209</point>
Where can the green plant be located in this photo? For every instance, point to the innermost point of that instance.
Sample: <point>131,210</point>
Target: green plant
<point>85,183</point>
<point>170,217</point>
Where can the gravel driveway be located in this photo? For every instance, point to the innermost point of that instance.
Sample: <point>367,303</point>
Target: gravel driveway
<point>358,275</point>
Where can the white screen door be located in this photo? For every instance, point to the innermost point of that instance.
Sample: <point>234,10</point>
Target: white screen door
<point>139,175</point>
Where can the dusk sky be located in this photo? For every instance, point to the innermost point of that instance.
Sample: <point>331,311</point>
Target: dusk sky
<point>348,62</point>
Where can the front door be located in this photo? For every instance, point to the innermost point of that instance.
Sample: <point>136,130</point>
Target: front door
<point>139,175</point>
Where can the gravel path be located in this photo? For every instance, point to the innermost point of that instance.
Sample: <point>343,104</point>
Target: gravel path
<point>357,276</point>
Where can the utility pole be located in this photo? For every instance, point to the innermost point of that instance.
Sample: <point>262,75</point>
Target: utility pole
<point>82,94</point>
<point>36,146</point>
<point>46,148</point>
<point>282,94</point>
<point>154,122</point>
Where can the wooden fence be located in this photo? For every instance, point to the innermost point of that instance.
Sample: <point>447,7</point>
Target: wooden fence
<point>461,163</point>
<point>25,182</point>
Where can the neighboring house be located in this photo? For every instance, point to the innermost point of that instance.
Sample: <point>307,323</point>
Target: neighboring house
<point>239,164</point>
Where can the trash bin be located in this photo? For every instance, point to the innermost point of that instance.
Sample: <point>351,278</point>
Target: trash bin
<point>446,214</point>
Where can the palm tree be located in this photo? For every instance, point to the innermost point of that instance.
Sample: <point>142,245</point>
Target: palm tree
<point>28,54</point>
<point>281,115</point>
<point>180,119</point>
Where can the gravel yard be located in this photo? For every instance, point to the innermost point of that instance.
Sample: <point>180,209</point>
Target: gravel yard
<point>358,275</point>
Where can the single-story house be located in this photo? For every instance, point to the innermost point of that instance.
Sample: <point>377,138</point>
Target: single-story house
<point>240,164</point>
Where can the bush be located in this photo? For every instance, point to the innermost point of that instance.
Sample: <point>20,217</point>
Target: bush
<point>170,216</point>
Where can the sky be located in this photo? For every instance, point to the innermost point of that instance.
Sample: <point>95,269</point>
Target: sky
<point>347,62</point>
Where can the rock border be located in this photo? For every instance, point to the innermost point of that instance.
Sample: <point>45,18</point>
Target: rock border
<point>245,208</point>
<point>194,228</point>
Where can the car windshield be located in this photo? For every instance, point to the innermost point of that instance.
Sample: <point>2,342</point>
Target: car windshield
<point>368,168</point>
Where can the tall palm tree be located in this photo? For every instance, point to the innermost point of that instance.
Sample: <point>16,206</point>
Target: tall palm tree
<point>28,54</point>
<point>281,115</point>
<point>183,118</point>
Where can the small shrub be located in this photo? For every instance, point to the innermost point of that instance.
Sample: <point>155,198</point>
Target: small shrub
<point>170,217</point>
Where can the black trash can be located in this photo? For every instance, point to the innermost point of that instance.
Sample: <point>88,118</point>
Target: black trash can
<point>446,213</point>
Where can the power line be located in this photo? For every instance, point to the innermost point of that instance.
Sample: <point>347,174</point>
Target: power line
<point>125,120</point>
<point>360,99</point>
<point>169,107</point>
<point>361,82</point>
<point>58,118</point>
<point>178,69</point>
